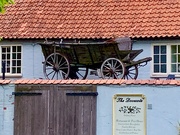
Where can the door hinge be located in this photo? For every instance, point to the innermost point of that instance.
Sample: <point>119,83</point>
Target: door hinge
<point>26,93</point>
<point>82,94</point>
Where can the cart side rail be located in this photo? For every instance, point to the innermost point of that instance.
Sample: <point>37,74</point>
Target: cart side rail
<point>50,48</point>
<point>90,53</point>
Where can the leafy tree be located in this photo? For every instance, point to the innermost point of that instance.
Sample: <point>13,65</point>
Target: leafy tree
<point>4,3</point>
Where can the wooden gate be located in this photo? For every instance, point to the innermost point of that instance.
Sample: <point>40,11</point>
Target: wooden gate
<point>55,110</point>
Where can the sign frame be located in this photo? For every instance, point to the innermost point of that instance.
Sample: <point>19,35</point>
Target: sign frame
<point>129,123</point>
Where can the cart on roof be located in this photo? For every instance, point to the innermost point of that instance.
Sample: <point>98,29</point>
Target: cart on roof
<point>108,60</point>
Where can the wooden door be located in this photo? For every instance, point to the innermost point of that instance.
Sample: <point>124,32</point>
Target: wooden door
<point>58,111</point>
<point>31,113</point>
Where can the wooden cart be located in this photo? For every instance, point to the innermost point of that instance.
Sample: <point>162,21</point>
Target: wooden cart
<point>73,60</point>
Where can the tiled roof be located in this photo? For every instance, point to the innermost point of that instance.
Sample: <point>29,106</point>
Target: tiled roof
<point>91,19</point>
<point>97,82</point>
<point>90,82</point>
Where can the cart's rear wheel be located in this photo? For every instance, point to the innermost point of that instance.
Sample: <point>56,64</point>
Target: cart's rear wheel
<point>131,72</point>
<point>56,66</point>
<point>112,68</point>
<point>78,72</point>
<point>82,73</point>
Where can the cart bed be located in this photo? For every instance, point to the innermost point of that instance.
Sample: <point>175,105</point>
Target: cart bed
<point>89,54</point>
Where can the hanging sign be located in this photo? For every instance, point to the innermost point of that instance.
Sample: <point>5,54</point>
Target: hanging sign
<point>129,114</point>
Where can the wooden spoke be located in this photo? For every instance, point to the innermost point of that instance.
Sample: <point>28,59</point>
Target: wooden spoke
<point>112,68</point>
<point>78,73</point>
<point>56,66</point>
<point>131,72</point>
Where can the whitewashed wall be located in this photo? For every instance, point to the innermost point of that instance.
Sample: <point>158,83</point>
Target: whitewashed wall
<point>32,61</point>
<point>162,119</point>
<point>6,109</point>
<point>143,72</point>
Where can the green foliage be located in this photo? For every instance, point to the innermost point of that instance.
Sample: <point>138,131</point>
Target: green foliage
<point>4,3</point>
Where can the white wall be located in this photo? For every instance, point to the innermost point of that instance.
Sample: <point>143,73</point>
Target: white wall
<point>143,72</point>
<point>6,109</point>
<point>162,119</point>
<point>32,61</point>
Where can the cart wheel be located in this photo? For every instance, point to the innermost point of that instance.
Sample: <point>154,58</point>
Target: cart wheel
<point>82,73</point>
<point>78,73</point>
<point>131,73</point>
<point>112,68</point>
<point>56,66</point>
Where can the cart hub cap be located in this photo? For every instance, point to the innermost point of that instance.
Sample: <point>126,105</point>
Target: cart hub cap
<point>126,72</point>
<point>56,67</point>
<point>112,70</point>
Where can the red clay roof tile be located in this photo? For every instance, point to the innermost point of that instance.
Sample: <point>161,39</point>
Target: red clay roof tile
<point>117,81</point>
<point>43,82</point>
<point>57,82</point>
<point>17,81</point>
<point>90,81</point>
<point>39,81</point>
<point>143,82</point>
<point>96,81</point>
<point>76,81</point>
<point>173,82</point>
<point>83,81</point>
<point>130,82</point>
<point>103,81</point>
<point>71,81</point>
<point>90,19</point>
<point>110,81</point>
<point>63,81</point>
<point>166,82</point>
<point>30,82</point>
<point>159,81</point>
<point>5,81</point>
<point>178,83</point>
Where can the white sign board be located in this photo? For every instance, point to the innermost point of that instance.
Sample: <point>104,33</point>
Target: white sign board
<point>129,114</point>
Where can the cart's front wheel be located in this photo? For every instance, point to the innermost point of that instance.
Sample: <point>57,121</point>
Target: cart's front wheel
<point>131,72</point>
<point>112,68</point>
<point>56,66</point>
